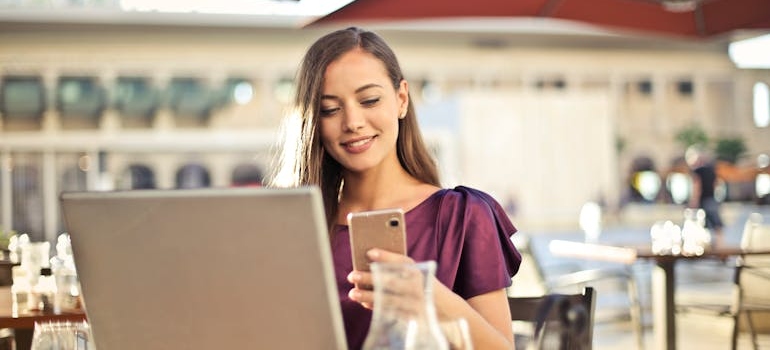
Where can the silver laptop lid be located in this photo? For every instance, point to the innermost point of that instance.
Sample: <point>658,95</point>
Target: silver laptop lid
<point>205,269</point>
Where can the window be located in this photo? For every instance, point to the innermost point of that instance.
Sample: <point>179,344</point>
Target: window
<point>284,90</point>
<point>136,177</point>
<point>71,176</point>
<point>22,98</point>
<point>237,90</point>
<point>678,186</point>
<point>27,195</point>
<point>135,98</point>
<point>685,88</point>
<point>647,183</point>
<point>192,176</point>
<point>189,100</point>
<point>761,105</point>
<point>644,182</point>
<point>80,97</point>
<point>644,87</point>
<point>246,174</point>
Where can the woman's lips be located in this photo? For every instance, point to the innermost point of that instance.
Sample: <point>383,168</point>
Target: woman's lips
<point>358,145</point>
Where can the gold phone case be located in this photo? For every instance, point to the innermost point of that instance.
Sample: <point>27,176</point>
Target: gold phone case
<point>384,229</point>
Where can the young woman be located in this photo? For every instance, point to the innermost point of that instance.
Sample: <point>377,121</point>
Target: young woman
<point>360,143</point>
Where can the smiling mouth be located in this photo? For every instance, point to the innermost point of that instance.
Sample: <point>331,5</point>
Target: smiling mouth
<point>358,143</point>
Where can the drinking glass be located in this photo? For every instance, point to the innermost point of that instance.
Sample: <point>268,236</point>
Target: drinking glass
<point>61,336</point>
<point>404,316</point>
<point>457,334</point>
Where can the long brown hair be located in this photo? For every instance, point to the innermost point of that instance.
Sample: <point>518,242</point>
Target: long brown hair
<point>312,165</point>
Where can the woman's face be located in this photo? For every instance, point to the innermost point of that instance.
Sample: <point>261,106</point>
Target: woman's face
<point>359,112</point>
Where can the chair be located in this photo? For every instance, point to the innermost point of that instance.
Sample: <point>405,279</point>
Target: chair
<point>751,281</point>
<point>570,316</point>
<point>563,279</point>
<point>752,278</point>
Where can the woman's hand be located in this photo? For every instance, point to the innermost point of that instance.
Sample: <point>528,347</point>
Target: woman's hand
<point>487,314</point>
<point>361,279</point>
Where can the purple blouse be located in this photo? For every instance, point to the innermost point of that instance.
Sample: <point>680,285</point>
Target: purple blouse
<point>464,230</point>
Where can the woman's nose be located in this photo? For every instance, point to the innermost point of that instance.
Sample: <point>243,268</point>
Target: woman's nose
<point>353,119</point>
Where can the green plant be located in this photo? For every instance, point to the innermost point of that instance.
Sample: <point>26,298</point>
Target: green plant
<point>730,149</point>
<point>5,238</point>
<point>692,135</point>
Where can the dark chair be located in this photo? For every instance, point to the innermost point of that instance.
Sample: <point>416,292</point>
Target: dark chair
<point>568,278</point>
<point>563,319</point>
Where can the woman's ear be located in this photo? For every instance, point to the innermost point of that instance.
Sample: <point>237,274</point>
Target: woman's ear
<point>403,97</point>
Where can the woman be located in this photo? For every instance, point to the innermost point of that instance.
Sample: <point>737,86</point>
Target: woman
<point>361,145</point>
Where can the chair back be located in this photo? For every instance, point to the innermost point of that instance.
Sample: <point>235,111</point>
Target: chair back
<point>754,274</point>
<point>562,321</point>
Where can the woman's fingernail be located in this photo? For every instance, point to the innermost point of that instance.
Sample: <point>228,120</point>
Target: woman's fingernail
<point>373,253</point>
<point>354,277</point>
<point>354,294</point>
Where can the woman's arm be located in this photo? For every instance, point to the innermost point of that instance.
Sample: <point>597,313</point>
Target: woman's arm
<point>488,316</point>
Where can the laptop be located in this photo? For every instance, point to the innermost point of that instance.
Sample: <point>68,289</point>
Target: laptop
<point>230,268</point>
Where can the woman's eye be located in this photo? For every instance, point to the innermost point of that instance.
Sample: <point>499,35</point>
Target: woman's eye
<point>371,101</point>
<point>329,111</point>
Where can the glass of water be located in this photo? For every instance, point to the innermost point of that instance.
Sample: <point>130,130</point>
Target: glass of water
<point>62,336</point>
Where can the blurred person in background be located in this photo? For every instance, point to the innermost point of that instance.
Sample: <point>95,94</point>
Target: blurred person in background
<point>360,143</point>
<point>704,183</point>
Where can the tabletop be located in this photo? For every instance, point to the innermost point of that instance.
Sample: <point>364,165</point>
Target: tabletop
<point>12,317</point>
<point>629,253</point>
<point>23,322</point>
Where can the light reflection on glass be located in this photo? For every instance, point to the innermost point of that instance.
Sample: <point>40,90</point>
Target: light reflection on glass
<point>647,183</point>
<point>761,105</point>
<point>763,160</point>
<point>284,90</point>
<point>678,185</point>
<point>762,185</point>
<point>590,221</point>
<point>243,93</point>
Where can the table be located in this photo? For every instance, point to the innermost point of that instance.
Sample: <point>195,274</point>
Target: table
<point>663,276</point>
<point>23,323</point>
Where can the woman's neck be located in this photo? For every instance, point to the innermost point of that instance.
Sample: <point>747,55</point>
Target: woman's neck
<point>391,189</point>
<point>376,189</point>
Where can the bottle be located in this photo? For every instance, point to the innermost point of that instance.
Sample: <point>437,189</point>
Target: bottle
<point>404,315</point>
<point>42,293</point>
<point>695,236</point>
<point>67,296</point>
<point>20,289</point>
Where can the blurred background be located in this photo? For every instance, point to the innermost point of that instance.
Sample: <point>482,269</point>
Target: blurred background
<point>545,113</point>
<point>547,105</point>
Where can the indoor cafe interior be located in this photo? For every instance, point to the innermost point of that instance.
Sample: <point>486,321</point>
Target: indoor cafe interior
<point>576,116</point>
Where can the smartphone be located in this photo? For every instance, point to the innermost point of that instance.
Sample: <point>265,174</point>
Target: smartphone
<point>384,229</point>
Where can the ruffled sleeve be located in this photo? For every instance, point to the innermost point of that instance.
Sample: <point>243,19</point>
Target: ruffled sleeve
<point>476,254</point>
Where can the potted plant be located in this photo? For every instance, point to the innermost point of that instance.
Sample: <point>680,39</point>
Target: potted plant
<point>692,135</point>
<point>5,240</point>
<point>730,149</point>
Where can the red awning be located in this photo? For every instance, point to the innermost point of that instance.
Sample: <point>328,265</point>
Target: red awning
<point>678,18</point>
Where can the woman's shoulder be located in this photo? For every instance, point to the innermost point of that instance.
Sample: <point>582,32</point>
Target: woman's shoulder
<point>463,195</point>
<point>467,202</point>
<point>475,216</point>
